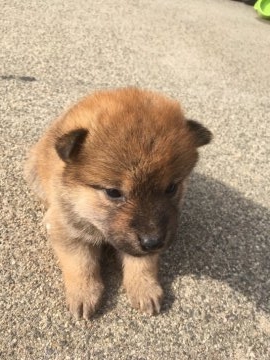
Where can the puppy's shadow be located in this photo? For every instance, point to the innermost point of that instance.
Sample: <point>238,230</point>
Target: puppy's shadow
<point>224,236</point>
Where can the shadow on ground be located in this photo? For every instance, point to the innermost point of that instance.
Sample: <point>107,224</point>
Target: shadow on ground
<point>223,236</point>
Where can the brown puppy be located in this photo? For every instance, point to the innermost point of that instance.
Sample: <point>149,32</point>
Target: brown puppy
<point>113,169</point>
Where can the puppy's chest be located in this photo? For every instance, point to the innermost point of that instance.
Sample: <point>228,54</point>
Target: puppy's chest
<point>79,228</point>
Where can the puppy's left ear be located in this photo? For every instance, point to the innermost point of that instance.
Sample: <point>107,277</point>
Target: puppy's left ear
<point>68,146</point>
<point>202,136</point>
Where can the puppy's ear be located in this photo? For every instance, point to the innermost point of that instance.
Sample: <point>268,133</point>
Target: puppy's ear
<point>69,145</point>
<point>201,134</point>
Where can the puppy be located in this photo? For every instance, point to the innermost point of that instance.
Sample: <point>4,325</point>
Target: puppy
<point>113,169</point>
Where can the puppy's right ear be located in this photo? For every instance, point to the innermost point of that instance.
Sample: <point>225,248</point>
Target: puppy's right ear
<point>69,145</point>
<point>201,135</point>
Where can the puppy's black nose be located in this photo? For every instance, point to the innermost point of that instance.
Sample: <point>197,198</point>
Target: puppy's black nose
<point>152,242</point>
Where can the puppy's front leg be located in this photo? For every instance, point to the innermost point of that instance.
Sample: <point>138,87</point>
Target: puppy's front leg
<point>140,278</point>
<point>82,279</point>
<point>79,262</point>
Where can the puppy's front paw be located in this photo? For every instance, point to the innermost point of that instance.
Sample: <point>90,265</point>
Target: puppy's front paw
<point>83,299</point>
<point>146,297</point>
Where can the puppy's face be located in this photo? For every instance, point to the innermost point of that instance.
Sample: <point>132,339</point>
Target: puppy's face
<point>126,168</point>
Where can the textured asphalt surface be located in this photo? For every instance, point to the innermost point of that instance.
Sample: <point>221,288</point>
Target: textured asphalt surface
<point>213,56</point>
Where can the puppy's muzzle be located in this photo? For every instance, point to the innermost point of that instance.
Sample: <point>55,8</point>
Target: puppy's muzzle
<point>151,242</point>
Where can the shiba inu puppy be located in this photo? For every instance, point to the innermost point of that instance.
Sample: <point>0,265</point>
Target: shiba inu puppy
<point>113,169</point>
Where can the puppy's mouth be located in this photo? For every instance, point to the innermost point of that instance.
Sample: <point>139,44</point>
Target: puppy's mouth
<point>128,249</point>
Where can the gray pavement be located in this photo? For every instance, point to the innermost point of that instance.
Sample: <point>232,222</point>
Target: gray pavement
<point>213,56</point>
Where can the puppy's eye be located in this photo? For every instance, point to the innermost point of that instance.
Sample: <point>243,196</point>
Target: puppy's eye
<point>171,189</point>
<point>113,193</point>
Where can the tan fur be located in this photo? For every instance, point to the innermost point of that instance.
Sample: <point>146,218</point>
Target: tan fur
<point>132,140</point>
<point>141,282</point>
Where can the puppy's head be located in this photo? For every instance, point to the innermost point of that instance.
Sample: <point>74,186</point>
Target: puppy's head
<point>127,159</point>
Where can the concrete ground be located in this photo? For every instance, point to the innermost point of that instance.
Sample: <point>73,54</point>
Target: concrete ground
<point>213,56</point>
